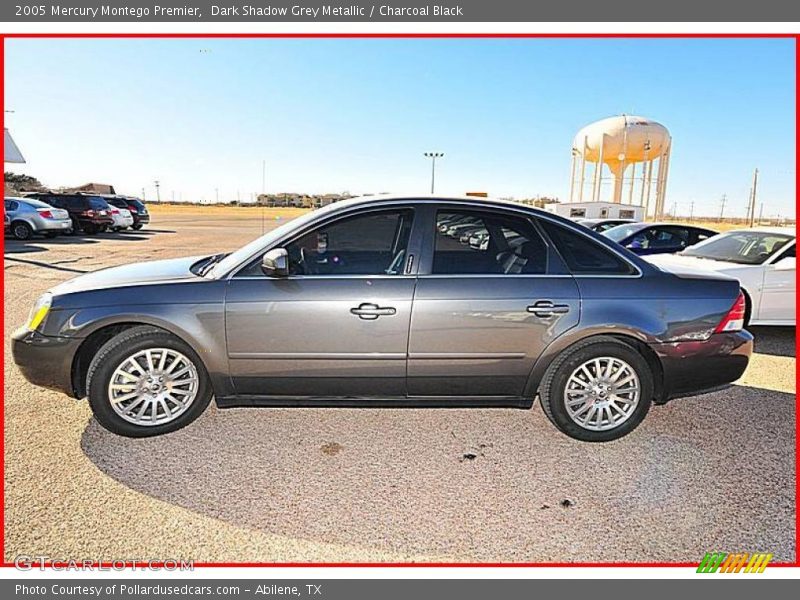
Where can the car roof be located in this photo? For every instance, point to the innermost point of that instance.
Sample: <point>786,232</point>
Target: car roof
<point>31,201</point>
<point>430,198</point>
<point>791,231</point>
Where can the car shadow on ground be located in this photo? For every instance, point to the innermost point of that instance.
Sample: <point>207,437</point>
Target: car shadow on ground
<point>42,244</point>
<point>714,471</point>
<point>777,341</point>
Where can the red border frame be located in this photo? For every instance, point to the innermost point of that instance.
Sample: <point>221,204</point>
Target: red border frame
<point>796,37</point>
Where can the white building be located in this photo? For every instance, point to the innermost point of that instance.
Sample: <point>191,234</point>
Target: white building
<point>596,210</point>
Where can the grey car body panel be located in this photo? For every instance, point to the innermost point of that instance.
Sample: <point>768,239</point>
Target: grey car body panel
<point>26,211</point>
<point>469,338</point>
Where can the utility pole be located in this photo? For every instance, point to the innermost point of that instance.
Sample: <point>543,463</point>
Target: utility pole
<point>216,195</point>
<point>751,213</point>
<point>433,156</point>
<point>158,193</point>
<point>760,213</point>
<point>142,194</point>
<point>722,208</point>
<point>691,211</point>
<point>264,176</point>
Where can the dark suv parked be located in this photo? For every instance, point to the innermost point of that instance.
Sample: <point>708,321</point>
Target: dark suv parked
<point>137,208</point>
<point>89,214</point>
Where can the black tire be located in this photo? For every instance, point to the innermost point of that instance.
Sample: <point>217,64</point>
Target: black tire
<point>90,229</point>
<point>554,382</point>
<point>116,350</point>
<point>137,226</point>
<point>21,230</point>
<point>50,234</point>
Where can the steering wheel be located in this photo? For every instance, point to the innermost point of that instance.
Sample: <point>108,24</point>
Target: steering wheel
<point>309,266</point>
<point>397,263</point>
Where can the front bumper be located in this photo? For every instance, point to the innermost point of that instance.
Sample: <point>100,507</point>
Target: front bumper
<point>43,360</point>
<point>693,367</point>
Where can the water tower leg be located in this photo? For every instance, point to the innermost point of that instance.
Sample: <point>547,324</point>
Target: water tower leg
<point>572,178</point>
<point>666,175</point>
<point>583,169</point>
<point>648,186</point>
<point>633,179</point>
<point>598,172</point>
<point>619,183</point>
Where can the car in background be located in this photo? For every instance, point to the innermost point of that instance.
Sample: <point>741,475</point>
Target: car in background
<point>319,312</point>
<point>122,218</point>
<point>136,207</point>
<point>762,259</point>
<point>600,225</point>
<point>657,238</point>
<point>90,214</point>
<point>28,216</point>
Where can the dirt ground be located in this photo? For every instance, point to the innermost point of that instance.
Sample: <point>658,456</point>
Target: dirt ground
<point>714,472</point>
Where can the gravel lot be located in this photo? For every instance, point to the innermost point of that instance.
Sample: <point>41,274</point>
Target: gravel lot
<point>716,472</point>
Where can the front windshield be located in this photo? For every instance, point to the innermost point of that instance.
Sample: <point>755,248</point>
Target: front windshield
<point>742,247</point>
<point>245,253</point>
<point>620,232</point>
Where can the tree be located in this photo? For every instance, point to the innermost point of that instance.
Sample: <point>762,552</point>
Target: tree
<point>21,182</point>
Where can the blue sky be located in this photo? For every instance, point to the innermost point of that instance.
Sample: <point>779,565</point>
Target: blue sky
<point>356,115</point>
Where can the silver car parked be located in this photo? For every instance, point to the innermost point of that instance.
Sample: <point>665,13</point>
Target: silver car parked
<point>29,216</point>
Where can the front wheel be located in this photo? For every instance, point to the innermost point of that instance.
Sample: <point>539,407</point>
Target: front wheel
<point>597,390</point>
<point>145,382</point>
<point>137,226</point>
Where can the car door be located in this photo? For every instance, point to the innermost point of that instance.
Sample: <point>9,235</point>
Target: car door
<point>483,313</point>
<point>337,325</point>
<point>779,288</point>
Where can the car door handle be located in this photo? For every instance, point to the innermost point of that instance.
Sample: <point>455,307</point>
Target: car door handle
<point>370,312</point>
<point>546,308</point>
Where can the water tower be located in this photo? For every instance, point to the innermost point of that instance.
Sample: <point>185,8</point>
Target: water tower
<point>621,144</point>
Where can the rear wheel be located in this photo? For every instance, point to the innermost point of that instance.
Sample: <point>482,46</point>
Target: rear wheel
<point>146,382</point>
<point>597,390</point>
<point>21,230</point>
<point>137,226</point>
<point>90,229</point>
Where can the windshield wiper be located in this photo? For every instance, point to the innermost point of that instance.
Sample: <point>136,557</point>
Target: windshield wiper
<point>210,262</point>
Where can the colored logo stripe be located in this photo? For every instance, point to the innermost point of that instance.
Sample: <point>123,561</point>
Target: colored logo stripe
<point>734,563</point>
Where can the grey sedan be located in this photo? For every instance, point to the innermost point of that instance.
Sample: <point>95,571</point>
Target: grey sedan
<point>29,216</point>
<point>370,302</point>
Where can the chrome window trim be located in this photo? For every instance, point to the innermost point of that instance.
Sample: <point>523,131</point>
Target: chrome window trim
<point>411,202</point>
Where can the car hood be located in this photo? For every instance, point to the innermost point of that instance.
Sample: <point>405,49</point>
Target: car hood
<point>172,270</point>
<point>694,267</point>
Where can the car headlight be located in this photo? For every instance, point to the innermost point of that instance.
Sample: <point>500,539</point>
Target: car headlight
<point>39,311</point>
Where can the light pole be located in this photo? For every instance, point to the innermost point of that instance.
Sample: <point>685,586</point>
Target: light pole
<point>158,192</point>
<point>433,156</point>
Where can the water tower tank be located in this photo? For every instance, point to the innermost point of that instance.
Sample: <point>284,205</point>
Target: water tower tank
<point>620,143</point>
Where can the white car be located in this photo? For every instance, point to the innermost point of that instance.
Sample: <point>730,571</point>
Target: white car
<point>762,259</point>
<point>122,218</point>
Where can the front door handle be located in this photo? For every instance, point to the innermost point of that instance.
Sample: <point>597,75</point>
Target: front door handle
<point>370,312</point>
<point>546,308</point>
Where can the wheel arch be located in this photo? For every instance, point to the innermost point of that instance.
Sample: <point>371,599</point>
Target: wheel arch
<point>102,333</point>
<point>636,339</point>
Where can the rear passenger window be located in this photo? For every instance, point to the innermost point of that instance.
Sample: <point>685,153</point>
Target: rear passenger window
<point>583,255</point>
<point>485,243</point>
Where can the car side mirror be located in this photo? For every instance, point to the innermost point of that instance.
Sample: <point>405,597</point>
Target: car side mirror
<point>275,263</point>
<point>786,264</point>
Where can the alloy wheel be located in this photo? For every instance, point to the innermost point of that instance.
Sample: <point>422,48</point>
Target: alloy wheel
<point>602,393</point>
<point>153,386</point>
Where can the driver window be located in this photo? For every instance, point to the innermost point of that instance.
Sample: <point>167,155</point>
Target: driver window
<point>369,244</point>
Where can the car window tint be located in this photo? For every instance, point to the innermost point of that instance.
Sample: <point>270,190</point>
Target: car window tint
<point>98,204</point>
<point>369,244</point>
<point>583,255</point>
<point>486,243</point>
<point>75,202</point>
<point>12,205</point>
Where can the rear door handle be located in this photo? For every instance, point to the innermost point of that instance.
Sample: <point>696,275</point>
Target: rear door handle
<point>546,308</point>
<point>370,312</point>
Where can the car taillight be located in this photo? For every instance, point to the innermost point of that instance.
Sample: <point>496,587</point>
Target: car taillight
<point>133,210</point>
<point>89,213</point>
<point>114,211</point>
<point>734,320</point>
<point>45,213</point>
